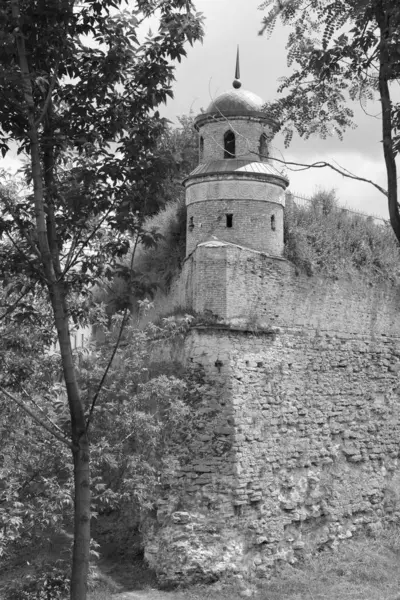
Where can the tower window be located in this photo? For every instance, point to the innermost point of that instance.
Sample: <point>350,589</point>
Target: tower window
<point>273,224</point>
<point>229,220</point>
<point>201,147</point>
<point>263,147</point>
<point>191,224</point>
<point>229,145</point>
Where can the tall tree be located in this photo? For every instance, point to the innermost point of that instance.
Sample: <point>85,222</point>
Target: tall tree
<point>342,50</point>
<point>74,76</point>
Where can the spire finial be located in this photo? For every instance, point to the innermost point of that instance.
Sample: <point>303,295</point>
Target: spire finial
<point>237,83</point>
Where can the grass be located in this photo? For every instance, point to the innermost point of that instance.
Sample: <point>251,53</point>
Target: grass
<point>361,569</point>
<point>322,238</point>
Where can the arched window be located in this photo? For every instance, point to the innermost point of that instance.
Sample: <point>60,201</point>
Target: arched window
<point>229,145</point>
<point>263,147</point>
<point>201,147</point>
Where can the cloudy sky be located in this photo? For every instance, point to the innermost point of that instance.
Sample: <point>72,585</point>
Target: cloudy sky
<point>209,70</point>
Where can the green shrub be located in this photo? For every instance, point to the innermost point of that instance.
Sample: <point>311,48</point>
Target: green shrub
<point>324,238</point>
<point>51,583</point>
<point>153,268</point>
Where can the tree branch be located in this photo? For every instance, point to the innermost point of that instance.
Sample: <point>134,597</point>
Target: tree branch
<point>48,97</point>
<point>117,343</point>
<point>38,420</point>
<point>14,305</point>
<point>322,164</point>
<point>44,413</point>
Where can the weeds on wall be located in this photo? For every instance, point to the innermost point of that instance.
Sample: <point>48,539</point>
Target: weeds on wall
<point>164,260</point>
<point>324,238</point>
<point>154,267</point>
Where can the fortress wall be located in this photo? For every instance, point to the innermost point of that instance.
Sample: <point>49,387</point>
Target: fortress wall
<point>253,290</point>
<point>267,292</point>
<point>296,450</point>
<point>298,447</point>
<point>278,294</point>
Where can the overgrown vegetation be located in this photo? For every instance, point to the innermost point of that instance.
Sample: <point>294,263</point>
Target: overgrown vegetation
<point>324,238</point>
<point>156,265</point>
<point>150,407</point>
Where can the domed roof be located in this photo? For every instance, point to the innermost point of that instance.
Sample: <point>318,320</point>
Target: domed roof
<point>239,168</point>
<point>235,103</point>
<point>239,101</point>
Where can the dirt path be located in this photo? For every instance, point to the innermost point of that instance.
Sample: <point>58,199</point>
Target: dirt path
<point>145,595</point>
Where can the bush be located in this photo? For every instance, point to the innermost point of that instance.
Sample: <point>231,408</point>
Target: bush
<point>154,267</point>
<point>325,238</point>
<point>51,583</point>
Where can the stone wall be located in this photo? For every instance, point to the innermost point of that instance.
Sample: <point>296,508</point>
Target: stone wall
<point>296,450</point>
<point>262,291</point>
<point>298,446</point>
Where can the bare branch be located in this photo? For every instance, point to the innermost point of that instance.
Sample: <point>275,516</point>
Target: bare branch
<point>73,260</point>
<point>117,343</point>
<point>38,420</point>
<point>322,164</point>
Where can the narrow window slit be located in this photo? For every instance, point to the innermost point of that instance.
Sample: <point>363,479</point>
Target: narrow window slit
<point>229,220</point>
<point>229,145</point>
<point>273,225</point>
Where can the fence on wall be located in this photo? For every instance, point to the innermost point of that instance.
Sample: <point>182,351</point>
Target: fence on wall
<point>301,200</point>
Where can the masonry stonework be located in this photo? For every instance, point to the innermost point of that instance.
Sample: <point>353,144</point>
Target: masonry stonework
<point>247,131</point>
<point>297,450</point>
<point>258,225</point>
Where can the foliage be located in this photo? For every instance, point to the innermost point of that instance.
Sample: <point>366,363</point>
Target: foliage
<point>79,97</point>
<point>324,238</point>
<point>155,266</point>
<point>163,261</point>
<point>150,408</point>
<point>52,583</point>
<point>149,403</point>
<point>342,50</point>
<point>333,47</point>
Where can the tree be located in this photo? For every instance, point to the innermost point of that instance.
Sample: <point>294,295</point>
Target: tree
<point>155,267</point>
<point>73,78</point>
<point>342,49</point>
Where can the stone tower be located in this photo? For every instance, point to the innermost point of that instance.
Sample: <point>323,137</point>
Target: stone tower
<point>236,195</point>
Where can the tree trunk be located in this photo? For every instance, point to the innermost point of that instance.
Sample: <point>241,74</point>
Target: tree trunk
<point>81,551</point>
<point>383,17</point>
<point>50,258</point>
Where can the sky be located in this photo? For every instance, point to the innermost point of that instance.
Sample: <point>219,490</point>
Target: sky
<point>208,71</point>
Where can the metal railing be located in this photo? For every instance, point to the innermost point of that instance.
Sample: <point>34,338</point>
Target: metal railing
<point>302,200</point>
